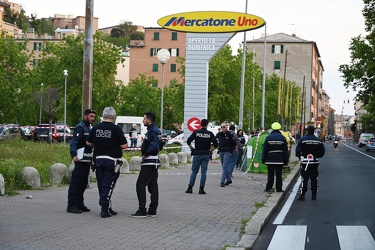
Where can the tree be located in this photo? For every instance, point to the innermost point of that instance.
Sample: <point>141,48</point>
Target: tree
<point>136,35</point>
<point>116,32</point>
<point>359,74</point>
<point>14,76</point>
<point>69,55</point>
<point>128,27</point>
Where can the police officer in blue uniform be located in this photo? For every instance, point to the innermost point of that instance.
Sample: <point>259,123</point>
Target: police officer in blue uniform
<point>108,141</point>
<point>275,155</point>
<point>203,141</point>
<point>80,174</point>
<point>226,146</point>
<point>148,175</point>
<point>309,149</point>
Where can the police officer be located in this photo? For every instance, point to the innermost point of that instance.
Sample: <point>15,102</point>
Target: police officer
<point>82,163</point>
<point>148,175</point>
<point>226,146</point>
<point>309,149</point>
<point>203,140</point>
<point>275,155</point>
<point>108,141</point>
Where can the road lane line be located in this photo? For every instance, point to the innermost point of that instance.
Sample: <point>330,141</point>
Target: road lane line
<point>281,216</point>
<point>358,151</point>
<point>355,238</point>
<point>288,238</point>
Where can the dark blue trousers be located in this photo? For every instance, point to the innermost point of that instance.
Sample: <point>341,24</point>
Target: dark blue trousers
<point>106,179</point>
<point>78,184</point>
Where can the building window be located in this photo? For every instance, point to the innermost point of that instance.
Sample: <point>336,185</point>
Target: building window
<point>154,51</point>
<point>277,48</point>
<point>155,67</point>
<point>174,52</point>
<point>173,68</point>
<point>276,65</point>
<point>156,36</point>
<point>174,36</point>
<point>155,84</point>
<point>35,62</point>
<point>37,46</point>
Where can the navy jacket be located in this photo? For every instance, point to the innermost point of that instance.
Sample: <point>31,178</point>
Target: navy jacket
<point>203,140</point>
<point>80,134</point>
<point>153,143</point>
<point>311,148</point>
<point>275,149</point>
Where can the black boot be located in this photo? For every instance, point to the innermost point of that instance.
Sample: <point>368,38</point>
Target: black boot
<point>313,197</point>
<point>111,211</point>
<point>189,190</point>
<point>301,197</point>
<point>105,213</point>
<point>201,190</point>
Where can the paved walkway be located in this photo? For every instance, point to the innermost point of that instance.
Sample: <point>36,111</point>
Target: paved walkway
<point>184,221</point>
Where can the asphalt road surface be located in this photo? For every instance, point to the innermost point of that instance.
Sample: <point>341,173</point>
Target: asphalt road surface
<point>342,217</point>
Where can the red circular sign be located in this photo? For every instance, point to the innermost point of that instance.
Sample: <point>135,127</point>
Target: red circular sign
<point>193,124</point>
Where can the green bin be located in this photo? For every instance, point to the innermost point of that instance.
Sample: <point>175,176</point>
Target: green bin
<point>254,154</point>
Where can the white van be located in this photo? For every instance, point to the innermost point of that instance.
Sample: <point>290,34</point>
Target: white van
<point>126,123</point>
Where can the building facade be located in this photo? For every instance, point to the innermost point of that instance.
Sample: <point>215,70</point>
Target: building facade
<point>144,60</point>
<point>297,60</point>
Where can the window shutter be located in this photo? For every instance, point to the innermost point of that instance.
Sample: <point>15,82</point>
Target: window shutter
<point>174,36</point>
<point>173,67</point>
<point>155,67</point>
<point>151,52</point>
<point>273,48</point>
<point>177,52</point>
<point>282,48</point>
<point>276,65</point>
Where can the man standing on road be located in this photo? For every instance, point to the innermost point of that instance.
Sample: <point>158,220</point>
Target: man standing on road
<point>82,163</point>
<point>275,155</point>
<point>148,175</point>
<point>108,141</point>
<point>309,149</point>
<point>203,139</point>
<point>133,134</point>
<point>226,146</point>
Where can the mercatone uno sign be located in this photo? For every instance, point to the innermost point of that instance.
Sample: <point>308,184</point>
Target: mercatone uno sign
<point>211,22</point>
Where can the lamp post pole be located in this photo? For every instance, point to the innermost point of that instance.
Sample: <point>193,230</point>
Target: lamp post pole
<point>66,77</point>
<point>41,101</point>
<point>163,56</point>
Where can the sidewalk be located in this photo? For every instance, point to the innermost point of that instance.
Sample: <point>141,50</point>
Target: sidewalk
<point>184,221</point>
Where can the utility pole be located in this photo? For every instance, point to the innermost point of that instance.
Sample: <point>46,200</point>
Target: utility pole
<point>283,92</point>
<point>88,57</point>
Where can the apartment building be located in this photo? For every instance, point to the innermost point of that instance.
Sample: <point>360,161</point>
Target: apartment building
<point>143,55</point>
<point>299,61</point>
<point>70,22</point>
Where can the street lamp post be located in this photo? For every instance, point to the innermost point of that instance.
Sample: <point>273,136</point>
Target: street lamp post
<point>163,56</point>
<point>66,77</point>
<point>41,101</point>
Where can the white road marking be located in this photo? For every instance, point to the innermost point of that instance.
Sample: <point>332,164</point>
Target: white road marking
<point>281,216</point>
<point>288,238</point>
<point>358,151</point>
<point>355,238</point>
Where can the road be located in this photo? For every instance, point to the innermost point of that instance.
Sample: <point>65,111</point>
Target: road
<point>343,215</point>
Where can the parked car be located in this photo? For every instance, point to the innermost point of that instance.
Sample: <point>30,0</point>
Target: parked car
<point>41,133</point>
<point>370,144</point>
<point>26,132</point>
<point>363,138</point>
<point>9,131</point>
<point>176,141</point>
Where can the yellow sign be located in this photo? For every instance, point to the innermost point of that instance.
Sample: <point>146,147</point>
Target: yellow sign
<point>211,22</point>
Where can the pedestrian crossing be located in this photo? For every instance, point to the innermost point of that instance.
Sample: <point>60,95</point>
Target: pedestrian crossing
<point>291,237</point>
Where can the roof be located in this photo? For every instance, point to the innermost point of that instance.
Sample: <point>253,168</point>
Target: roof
<point>3,4</point>
<point>281,38</point>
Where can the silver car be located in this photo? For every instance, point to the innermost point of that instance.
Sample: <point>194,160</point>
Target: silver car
<point>362,141</point>
<point>370,144</point>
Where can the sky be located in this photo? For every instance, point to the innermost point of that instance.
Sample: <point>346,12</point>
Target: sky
<point>329,23</point>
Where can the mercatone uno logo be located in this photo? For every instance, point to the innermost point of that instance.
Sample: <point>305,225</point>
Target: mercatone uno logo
<point>211,22</point>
